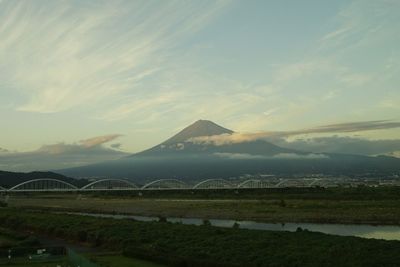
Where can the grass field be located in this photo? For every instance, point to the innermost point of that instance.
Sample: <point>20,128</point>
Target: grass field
<point>6,241</point>
<point>277,208</point>
<point>23,262</point>
<point>120,261</point>
<point>102,260</point>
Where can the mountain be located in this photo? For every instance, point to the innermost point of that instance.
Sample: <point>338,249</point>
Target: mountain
<point>183,143</point>
<point>183,158</point>
<point>199,128</point>
<point>9,179</point>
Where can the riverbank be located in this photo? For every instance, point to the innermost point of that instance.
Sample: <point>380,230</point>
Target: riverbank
<point>281,209</point>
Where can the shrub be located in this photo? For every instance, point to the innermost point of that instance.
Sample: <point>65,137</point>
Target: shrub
<point>206,222</point>
<point>3,204</point>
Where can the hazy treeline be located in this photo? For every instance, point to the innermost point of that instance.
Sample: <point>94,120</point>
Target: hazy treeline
<point>318,193</point>
<point>10,179</point>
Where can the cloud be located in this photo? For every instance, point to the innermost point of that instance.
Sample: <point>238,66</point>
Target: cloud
<point>224,139</point>
<point>137,105</point>
<point>300,156</point>
<point>239,156</point>
<point>390,102</point>
<point>99,140</point>
<point>61,55</point>
<point>84,146</point>
<point>363,21</point>
<point>342,144</point>
<point>116,146</point>
<point>355,126</point>
<point>245,156</point>
<point>395,154</point>
<point>61,155</point>
<point>348,66</point>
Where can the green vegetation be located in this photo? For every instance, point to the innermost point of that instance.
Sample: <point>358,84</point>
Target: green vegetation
<point>188,245</point>
<point>22,244</point>
<point>121,261</point>
<point>10,239</point>
<point>24,263</point>
<point>3,204</point>
<point>319,205</point>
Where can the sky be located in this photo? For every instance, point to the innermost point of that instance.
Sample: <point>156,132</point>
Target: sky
<point>129,74</point>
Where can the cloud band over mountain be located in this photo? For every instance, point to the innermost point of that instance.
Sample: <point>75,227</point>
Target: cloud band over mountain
<point>225,139</point>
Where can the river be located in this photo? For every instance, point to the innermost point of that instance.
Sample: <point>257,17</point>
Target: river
<point>360,230</point>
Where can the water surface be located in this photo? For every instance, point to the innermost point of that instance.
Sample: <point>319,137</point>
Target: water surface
<point>366,231</point>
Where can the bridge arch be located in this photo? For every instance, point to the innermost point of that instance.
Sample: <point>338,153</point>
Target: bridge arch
<point>109,184</point>
<point>2,189</point>
<point>213,184</point>
<point>292,183</point>
<point>165,184</point>
<point>255,183</point>
<point>322,183</point>
<point>43,184</point>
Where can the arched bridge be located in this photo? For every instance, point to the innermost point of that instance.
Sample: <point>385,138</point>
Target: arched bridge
<point>213,184</point>
<point>40,185</point>
<point>165,184</point>
<point>109,185</point>
<point>54,185</point>
<point>256,183</point>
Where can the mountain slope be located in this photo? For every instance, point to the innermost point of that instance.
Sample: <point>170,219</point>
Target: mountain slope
<point>199,128</point>
<point>181,144</point>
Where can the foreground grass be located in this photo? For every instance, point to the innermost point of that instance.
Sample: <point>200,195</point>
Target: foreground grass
<point>365,205</point>
<point>100,260</point>
<point>23,262</point>
<point>6,241</point>
<point>120,261</point>
<point>188,245</point>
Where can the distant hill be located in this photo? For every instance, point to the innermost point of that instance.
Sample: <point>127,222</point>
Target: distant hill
<point>9,179</point>
<point>180,157</point>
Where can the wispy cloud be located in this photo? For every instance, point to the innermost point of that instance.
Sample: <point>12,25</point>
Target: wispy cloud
<point>245,156</point>
<point>61,55</point>
<point>99,140</point>
<point>342,144</point>
<point>348,66</point>
<point>139,106</point>
<point>362,21</point>
<point>332,128</point>
<point>93,143</point>
<point>240,156</point>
